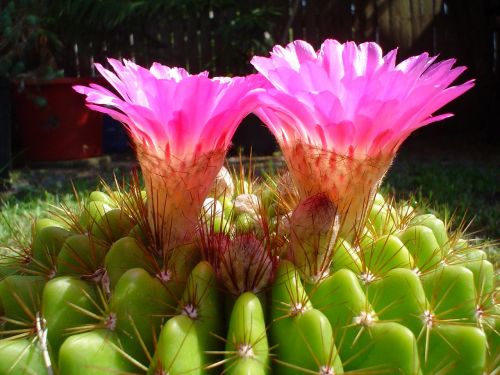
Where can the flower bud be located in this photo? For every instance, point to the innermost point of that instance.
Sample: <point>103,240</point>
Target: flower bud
<point>245,265</point>
<point>314,226</point>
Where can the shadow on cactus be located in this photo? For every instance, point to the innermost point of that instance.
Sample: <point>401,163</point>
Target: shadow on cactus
<point>188,268</point>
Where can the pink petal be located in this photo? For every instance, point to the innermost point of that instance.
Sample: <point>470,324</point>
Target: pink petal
<point>350,97</point>
<point>341,135</point>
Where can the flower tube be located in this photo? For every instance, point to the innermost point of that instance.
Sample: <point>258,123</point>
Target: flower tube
<point>181,126</point>
<point>341,113</point>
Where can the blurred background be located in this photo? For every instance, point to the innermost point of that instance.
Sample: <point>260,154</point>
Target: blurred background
<point>46,46</point>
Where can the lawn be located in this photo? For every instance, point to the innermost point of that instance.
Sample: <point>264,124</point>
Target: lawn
<point>463,190</point>
<point>466,190</point>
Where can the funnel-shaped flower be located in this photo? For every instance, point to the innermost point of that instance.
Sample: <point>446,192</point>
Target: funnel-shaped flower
<point>181,126</point>
<point>340,115</point>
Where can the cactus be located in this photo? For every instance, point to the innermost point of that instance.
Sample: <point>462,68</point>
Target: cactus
<point>401,301</point>
<point>311,272</point>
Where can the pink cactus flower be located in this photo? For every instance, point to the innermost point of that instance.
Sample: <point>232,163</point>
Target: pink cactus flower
<point>181,126</point>
<point>341,113</point>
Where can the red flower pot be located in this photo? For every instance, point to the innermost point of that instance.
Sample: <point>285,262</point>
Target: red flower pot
<point>53,121</point>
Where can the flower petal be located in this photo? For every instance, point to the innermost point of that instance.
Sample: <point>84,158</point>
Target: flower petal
<point>361,99</point>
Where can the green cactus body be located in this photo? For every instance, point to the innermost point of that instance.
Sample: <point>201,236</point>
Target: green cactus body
<point>246,347</point>
<point>93,353</point>
<point>453,349</point>
<point>484,273</point>
<point>305,342</point>
<point>400,297</point>
<point>93,212</point>
<point>139,234</point>
<point>245,222</point>
<point>139,302</point>
<point>341,298</point>
<point>46,222</point>
<point>367,238</point>
<point>423,246</point>
<point>303,335</point>
<point>98,294</point>
<point>125,254</point>
<point>451,291</point>
<point>100,196</point>
<point>491,329</point>
<point>438,228</point>
<point>67,303</point>
<point>288,294</point>
<point>20,297</point>
<point>178,350</point>
<point>344,256</point>
<point>46,248</point>
<point>201,302</point>
<point>386,253</point>
<point>20,357</point>
<point>386,346</point>
<point>381,219</point>
<point>113,225</point>
<point>81,255</point>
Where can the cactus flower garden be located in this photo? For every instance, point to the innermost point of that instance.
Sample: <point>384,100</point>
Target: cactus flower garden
<point>191,268</point>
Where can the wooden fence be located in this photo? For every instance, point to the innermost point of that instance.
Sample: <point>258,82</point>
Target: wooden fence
<point>466,29</point>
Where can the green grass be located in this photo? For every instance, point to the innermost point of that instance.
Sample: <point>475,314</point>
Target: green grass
<point>18,214</point>
<point>465,190</point>
<point>35,195</point>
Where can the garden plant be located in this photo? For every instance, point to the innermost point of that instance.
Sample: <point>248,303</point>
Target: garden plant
<point>189,268</point>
